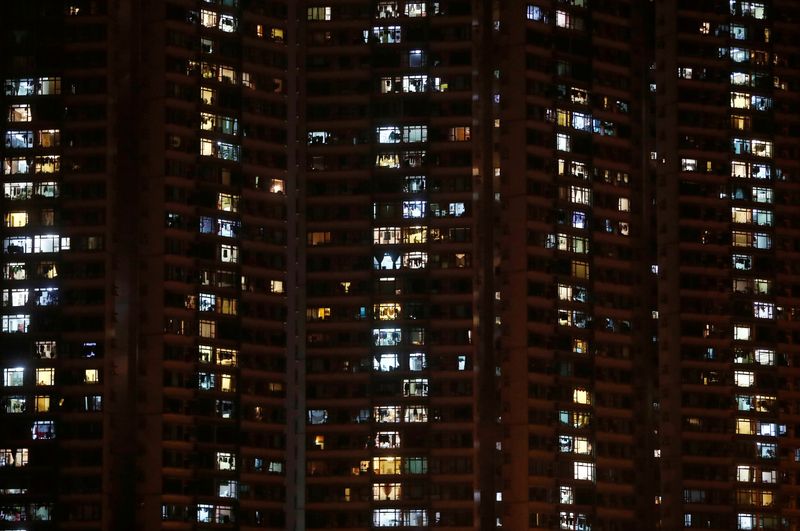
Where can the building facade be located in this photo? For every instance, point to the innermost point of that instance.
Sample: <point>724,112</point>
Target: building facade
<point>358,264</point>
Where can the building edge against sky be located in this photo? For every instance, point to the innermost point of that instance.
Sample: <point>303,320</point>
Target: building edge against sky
<point>362,264</point>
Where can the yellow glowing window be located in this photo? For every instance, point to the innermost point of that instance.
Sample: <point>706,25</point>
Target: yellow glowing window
<point>91,376</point>
<point>227,383</point>
<point>227,356</point>
<point>45,376</point>
<point>260,31</point>
<point>460,134</point>
<point>386,465</point>
<point>41,403</point>
<point>745,426</point>
<point>276,286</point>
<point>387,311</point>
<point>319,442</point>
<point>319,314</point>
<point>16,219</point>
<point>228,202</point>
<point>581,396</point>
<point>276,34</point>
<point>386,491</point>
<point>49,138</point>
<point>276,186</point>
<point>319,238</point>
<point>207,328</point>
<point>740,122</point>
<point>580,269</point>
<point>562,118</point>
<point>741,215</point>
<point>580,346</point>
<point>207,95</point>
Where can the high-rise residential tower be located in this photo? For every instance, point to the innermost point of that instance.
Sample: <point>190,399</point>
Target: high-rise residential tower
<point>357,264</point>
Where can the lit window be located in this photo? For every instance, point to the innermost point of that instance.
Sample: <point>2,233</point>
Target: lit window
<point>45,376</point>
<point>386,491</point>
<point>319,13</point>
<point>387,439</point>
<point>744,378</point>
<point>742,332</point>
<point>580,195</point>
<point>386,465</point>
<point>43,430</point>
<point>583,471</point>
<point>228,488</point>
<point>581,396</point>
<point>207,328</point>
<point>563,142</point>
<point>534,13</point>
<point>386,362</point>
<point>415,387</point>
<point>91,376</point>
<point>19,113</point>
<point>414,9</point>
<point>580,269</point>
<point>227,383</point>
<point>41,403</point>
<point>15,404</point>
<point>13,457</point>
<point>765,357</point>
<point>763,310</point>
<point>228,23</point>
<point>459,134</point>
<point>229,253</point>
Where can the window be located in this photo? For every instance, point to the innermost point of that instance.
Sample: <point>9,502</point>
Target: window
<point>581,396</point>
<point>91,376</point>
<point>207,328</point>
<point>414,209</point>
<point>742,332</point>
<point>225,461</point>
<point>765,357</point>
<point>386,491</point>
<point>415,387</point>
<point>534,13</point>
<point>563,142</point>
<point>415,414</point>
<point>459,134</point>
<point>583,471</point>
<point>209,19</point>
<point>41,403</point>
<point>13,457</point>
<point>45,376</point>
<point>580,269</point>
<point>229,253</point>
<point>319,13</point>
<point>16,323</point>
<point>384,34</point>
<point>387,517</point>
<point>19,113</point>
<point>43,430</point>
<point>386,465</point>
<point>580,195</point>
<point>228,23</point>
<point>414,9</point>
<point>19,139</point>
<point>15,404</point>
<point>389,414</point>
<point>744,378</point>
<point>385,362</point>
<point>763,310</point>
<point>387,439</point>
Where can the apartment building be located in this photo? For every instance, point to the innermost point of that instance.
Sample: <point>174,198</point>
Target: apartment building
<point>360,264</point>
